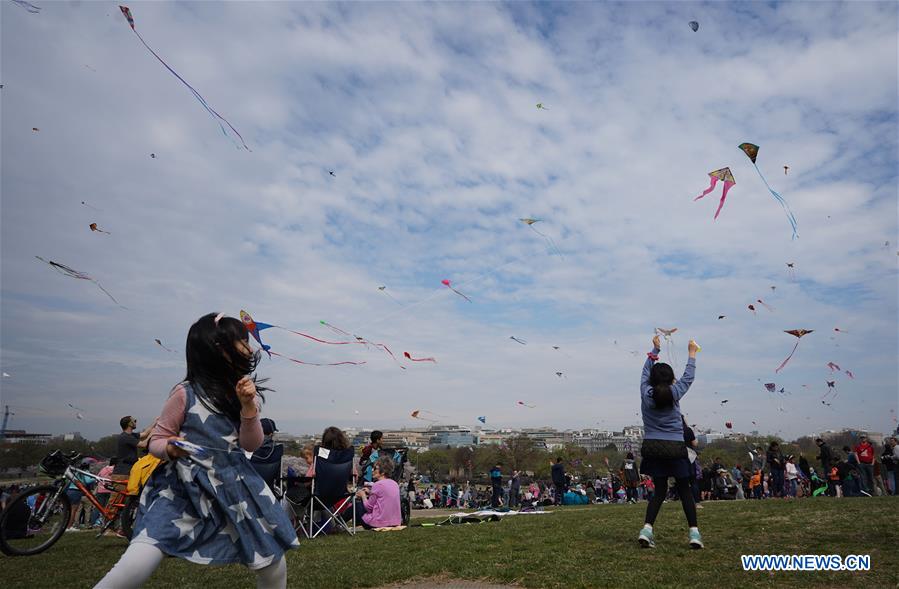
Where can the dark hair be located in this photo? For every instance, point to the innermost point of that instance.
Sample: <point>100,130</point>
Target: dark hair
<point>125,422</point>
<point>558,459</point>
<point>630,456</point>
<point>773,445</point>
<point>333,438</point>
<point>215,364</point>
<point>376,435</point>
<point>661,377</point>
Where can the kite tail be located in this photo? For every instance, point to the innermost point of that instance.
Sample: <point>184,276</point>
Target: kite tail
<point>335,329</point>
<point>313,363</point>
<point>784,363</point>
<point>780,199</point>
<point>727,186</point>
<point>28,6</point>
<point>313,338</point>
<point>460,294</point>
<point>219,118</point>
<point>709,189</point>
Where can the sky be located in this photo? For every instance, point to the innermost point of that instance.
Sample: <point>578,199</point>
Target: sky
<point>426,113</point>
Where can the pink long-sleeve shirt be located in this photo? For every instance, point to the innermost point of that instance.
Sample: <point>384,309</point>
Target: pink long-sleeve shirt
<point>382,508</point>
<point>172,418</point>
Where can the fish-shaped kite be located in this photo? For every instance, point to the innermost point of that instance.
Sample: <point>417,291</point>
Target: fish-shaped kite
<point>725,175</point>
<point>72,273</point>
<point>94,227</point>
<point>410,358</point>
<point>216,116</point>
<point>445,282</point>
<point>797,333</point>
<point>752,151</point>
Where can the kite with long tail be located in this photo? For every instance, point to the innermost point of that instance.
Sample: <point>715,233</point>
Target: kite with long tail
<point>725,175</point>
<point>28,6</point>
<point>72,273</point>
<point>254,328</point>
<point>215,115</point>
<point>797,333</point>
<point>550,244</point>
<point>410,358</point>
<point>445,282</point>
<point>359,340</point>
<point>752,151</point>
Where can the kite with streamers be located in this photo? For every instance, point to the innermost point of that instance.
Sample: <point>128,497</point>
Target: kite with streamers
<point>411,359</point>
<point>752,151</point>
<point>550,244</point>
<point>764,304</point>
<point>358,340</point>
<point>215,115</point>
<point>520,341</point>
<point>669,342</point>
<point>797,333</point>
<point>523,404</point>
<point>791,271</point>
<point>384,290</point>
<point>254,328</point>
<point>94,227</point>
<point>418,414</point>
<point>725,175</point>
<point>831,388</point>
<point>445,282</point>
<point>72,273</point>
<point>28,6</point>
<point>161,345</point>
<point>771,387</point>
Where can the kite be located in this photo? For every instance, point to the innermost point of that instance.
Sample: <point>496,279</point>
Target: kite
<point>550,244</point>
<point>409,357</point>
<point>724,401</point>
<point>482,418</point>
<point>384,290</point>
<point>153,155</point>
<point>254,328</point>
<point>520,341</point>
<point>773,288</point>
<point>785,170</point>
<point>63,269</point>
<point>752,308</point>
<point>724,175</point>
<point>833,367</point>
<point>6,375</point>
<point>359,340</point>
<point>541,107</point>
<point>159,342</point>
<point>667,333</point>
<point>764,304</point>
<point>831,387</point>
<point>728,425</point>
<point>559,374</point>
<point>797,333</point>
<point>35,129</point>
<point>791,270</point>
<point>558,349</point>
<point>849,374</point>
<point>752,151</point>
<point>838,330</point>
<point>771,387</point>
<point>94,227</point>
<point>417,415</point>
<point>218,118</point>
<point>694,25</point>
<point>331,172</point>
<point>722,317</point>
<point>445,282</point>
<point>90,207</point>
<point>523,404</point>
<point>79,413</point>
<point>28,6</point>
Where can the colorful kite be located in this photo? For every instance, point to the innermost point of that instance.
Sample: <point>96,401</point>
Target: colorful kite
<point>94,227</point>
<point>254,328</point>
<point>724,175</point>
<point>159,343</point>
<point>797,333</point>
<point>445,282</point>
<point>752,151</point>
<point>520,341</point>
<point>764,304</point>
<point>410,358</point>
<point>28,6</point>
<point>218,118</point>
<point>550,244</point>
<point>384,290</point>
<point>523,404</point>
<point>417,414</point>
<point>65,270</point>
<point>694,25</point>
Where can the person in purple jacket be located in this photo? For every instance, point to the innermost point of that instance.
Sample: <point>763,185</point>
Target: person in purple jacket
<point>664,452</point>
<point>380,505</point>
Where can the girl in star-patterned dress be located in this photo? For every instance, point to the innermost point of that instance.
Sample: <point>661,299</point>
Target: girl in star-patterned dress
<point>209,507</point>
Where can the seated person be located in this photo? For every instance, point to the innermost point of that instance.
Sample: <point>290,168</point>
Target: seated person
<point>380,504</point>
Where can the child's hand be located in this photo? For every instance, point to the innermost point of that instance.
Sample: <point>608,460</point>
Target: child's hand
<point>173,451</point>
<point>246,394</point>
<point>656,343</point>
<point>692,348</point>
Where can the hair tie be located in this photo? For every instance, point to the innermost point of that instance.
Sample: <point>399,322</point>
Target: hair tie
<point>217,318</point>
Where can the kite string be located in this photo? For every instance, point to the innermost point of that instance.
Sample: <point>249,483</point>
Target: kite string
<point>780,199</point>
<point>314,363</point>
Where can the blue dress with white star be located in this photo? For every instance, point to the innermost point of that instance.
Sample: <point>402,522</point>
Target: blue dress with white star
<point>215,509</point>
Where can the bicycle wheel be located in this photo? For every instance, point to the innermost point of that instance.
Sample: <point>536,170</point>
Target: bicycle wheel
<point>34,521</point>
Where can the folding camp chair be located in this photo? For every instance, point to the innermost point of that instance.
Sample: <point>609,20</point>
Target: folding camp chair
<point>298,497</point>
<point>333,470</point>
<point>267,462</point>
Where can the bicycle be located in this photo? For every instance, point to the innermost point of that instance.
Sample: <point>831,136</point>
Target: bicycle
<point>37,518</point>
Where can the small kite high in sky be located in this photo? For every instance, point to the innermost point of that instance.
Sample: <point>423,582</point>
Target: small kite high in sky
<point>72,273</point>
<point>786,168</point>
<point>771,387</point>
<point>728,425</point>
<point>94,227</point>
<point>410,358</point>
<point>523,404</point>
<point>445,282</point>
<point>752,151</point>
<point>751,308</point>
<point>520,341</point>
<point>797,333</point>
<point>833,367</point>
<point>725,175</point>
<point>764,304</point>
<point>791,270</point>
<point>482,418</point>
<point>550,244</point>
<point>384,290</point>
<point>541,107</point>
<point>694,25</point>
<point>28,6</point>
<point>218,118</point>
<point>254,328</point>
<point>849,374</point>
<point>159,342</point>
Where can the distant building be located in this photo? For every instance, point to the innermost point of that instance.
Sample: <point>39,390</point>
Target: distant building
<point>18,436</point>
<point>72,436</point>
<point>706,438</point>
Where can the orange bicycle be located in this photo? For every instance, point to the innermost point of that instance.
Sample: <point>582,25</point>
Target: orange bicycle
<point>36,519</point>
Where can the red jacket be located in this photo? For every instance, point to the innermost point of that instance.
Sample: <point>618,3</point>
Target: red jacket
<point>865,452</point>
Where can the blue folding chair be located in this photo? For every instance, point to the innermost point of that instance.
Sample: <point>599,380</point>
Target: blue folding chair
<point>333,470</point>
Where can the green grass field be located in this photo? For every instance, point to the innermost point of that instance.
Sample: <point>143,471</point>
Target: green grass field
<point>590,546</point>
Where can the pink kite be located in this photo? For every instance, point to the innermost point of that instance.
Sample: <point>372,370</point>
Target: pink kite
<point>797,333</point>
<point>849,374</point>
<point>445,282</point>
<point>725,175</point>
<point>833,367</point>
<point>409,357</point>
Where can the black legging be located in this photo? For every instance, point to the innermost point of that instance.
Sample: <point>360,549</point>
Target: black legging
<point>686,499</point>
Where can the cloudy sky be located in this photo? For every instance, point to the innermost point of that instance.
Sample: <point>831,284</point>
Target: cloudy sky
<point>426,115</point>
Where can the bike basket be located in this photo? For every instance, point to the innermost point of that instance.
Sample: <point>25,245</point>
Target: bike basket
<point>54,464</point>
